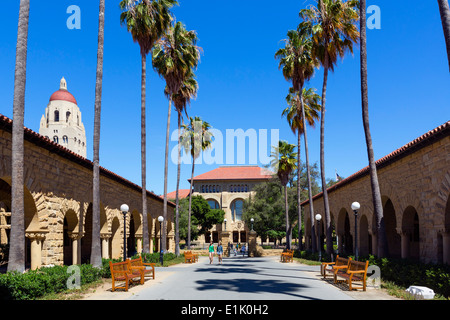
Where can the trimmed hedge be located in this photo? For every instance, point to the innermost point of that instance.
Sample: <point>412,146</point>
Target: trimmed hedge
<point>36,283</point>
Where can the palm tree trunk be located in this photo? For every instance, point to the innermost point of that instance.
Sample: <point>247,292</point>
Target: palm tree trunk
<point>308,175</point>
<point>16,260</point>
<point>146,245</point>
<point>299,208</point>
<point>376,195</point>
<point>177,200</point>
<point>286,208</point>
<point>190,201</point>
<point>322,159</point>
<point>96,253</point>
<point>166,173</point>
<point>444,10</point>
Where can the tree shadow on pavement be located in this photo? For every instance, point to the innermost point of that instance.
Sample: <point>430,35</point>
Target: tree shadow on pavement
<point>255,286</point>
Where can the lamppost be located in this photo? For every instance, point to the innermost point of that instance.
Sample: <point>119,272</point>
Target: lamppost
<point>161,255</point>
<point>124,208</point>
<point>355,208</point>
<point>318,218</point>
<point>252,220</point>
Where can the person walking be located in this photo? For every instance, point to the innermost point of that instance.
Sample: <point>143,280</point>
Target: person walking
<point>211,252</point>
<point>220,252</point>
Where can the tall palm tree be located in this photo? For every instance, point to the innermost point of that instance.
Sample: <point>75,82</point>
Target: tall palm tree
<point>17,242</point>
<point>444,10</point>
<point>334,30</point>
<point>297,122</point>
<point>174,57</point>
<point>147,21</point>
<point>195,138</point>
<point>181,99</point>
<point>297,64</point>
<point>96,252</point>
<point>283,162</point>
<point>376,194</point>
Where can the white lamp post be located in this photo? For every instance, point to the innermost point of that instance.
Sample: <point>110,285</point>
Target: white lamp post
<point>252,220</point>
<point>355,207</point>
<point>318,218</point>
<point>161,256</point>
<point>124,208</point>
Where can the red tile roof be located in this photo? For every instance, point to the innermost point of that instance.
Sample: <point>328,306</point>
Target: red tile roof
<point>424,140</point>
<point>236,173</point>
<point>182,193</point>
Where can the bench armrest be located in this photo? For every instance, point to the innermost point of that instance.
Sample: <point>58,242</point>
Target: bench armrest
<point>149,264</point>
<point>356,271</point>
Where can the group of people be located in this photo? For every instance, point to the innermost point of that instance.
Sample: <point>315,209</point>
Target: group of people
<point>235,249</point>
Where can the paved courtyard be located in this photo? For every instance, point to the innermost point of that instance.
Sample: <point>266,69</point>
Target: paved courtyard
<point>239,279</point>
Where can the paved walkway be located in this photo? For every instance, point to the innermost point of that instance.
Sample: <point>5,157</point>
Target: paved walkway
<point>243,278</point>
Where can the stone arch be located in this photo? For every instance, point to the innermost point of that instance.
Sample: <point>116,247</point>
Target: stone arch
<point>390,221</point>
<point>410,234</point>
<point>116,243</point>
<point>70,234</point>
<point>364,241</point>
<point>237,207</point>
<point>345,240</point>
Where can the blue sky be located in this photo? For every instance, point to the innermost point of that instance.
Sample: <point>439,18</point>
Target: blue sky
<point>240,84</point>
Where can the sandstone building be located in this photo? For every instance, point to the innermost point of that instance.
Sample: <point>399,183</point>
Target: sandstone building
<point>415,188</point>
<point>58,205</point>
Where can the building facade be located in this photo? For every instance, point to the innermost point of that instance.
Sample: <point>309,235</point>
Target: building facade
<point>227,188</point>
<point>62,122</point>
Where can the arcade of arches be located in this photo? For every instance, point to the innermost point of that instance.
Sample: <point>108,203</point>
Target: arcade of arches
<point>58,205</point>
<point>415,187</point>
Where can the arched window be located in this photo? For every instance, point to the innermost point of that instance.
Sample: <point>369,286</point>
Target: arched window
<point>65,139</point>
<point>213,204</point>
<point>203,188</point>
<point>55,139</point>
<point>246,188</point>
<point>236,209</point>
<point>67,116</point>
<point>56,116</point>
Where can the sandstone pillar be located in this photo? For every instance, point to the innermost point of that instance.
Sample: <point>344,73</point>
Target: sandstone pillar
<point>36,239</point>
<point>446,247</point>
<point>105,244</point>
<point>252,243</point>
<point>139,243</point>
<point>405,244</point>
<point>225,243</point>
<point>76,252</point>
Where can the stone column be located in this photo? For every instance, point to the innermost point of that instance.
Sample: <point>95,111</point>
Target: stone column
<point>225,241</point>
<point>76,252</point>
<point>105,244</point>
<point>252,243</point>
<point>340,243</point>
<point>139,242</point>
<point>405,244</point>
<point>36,239</point>
<point>446,247</point>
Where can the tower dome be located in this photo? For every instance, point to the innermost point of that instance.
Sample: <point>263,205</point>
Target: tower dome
<point>62,94</point>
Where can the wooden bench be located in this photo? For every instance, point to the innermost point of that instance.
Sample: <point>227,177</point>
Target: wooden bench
<point>340,263</point>
<point>141,266</point>
<point>356,272</point>
<point>191,257</point>
<point>121,271</point>
<point>287,256</point>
